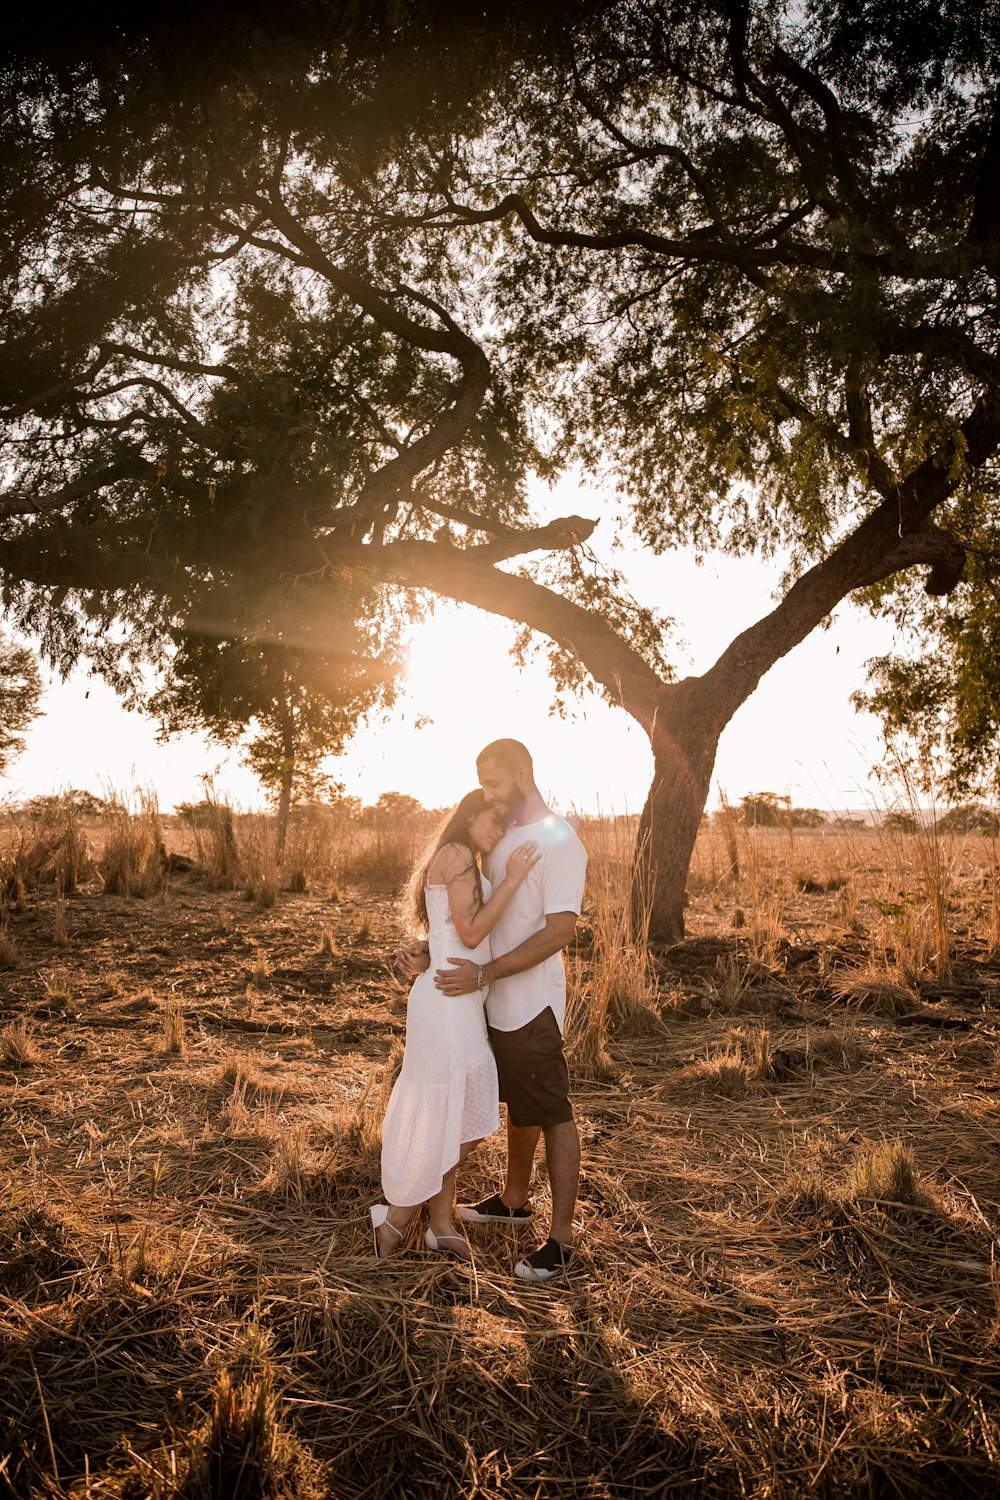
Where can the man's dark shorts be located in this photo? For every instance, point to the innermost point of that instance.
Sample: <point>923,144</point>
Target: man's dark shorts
<point>534,1078</point>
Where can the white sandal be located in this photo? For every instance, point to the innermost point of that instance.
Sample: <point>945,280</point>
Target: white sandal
<point>437,1243</point>
<point>379,1216</point>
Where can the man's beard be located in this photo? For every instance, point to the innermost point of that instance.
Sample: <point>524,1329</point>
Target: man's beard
<point>514,810</point>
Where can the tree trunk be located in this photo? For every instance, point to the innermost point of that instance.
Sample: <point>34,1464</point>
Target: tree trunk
<point>285,785</point>
<point>284,808</point>
<point>684,740</point>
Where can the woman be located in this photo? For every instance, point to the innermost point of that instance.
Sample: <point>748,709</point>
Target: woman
<point>446,1098</point>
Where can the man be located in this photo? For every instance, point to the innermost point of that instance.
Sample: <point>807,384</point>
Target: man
<point>526,1004</point>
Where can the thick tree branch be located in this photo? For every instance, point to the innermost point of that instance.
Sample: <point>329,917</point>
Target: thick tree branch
<point>861,437</point>
<point>873,552</point>
<point>60,388</point>
<point>700,249</point>
<point>570,531</point>
<point>175,362</point>
<point>823,96</point>
<point>977,439</point>
<point>749,256</point>
<point>144,382</point>
<point>469,578</point>
<point>17,503</point>
<point>447,340</point>
<point>893,537</point>
<point>381,490</point>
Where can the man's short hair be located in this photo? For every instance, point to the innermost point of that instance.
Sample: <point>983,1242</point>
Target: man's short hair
<point>510,754</point>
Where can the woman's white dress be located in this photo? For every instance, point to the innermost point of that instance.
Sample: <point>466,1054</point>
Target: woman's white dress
<point>447,1090</point>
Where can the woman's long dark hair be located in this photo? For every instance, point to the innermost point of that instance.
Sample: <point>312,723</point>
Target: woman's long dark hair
<point>454,829</point>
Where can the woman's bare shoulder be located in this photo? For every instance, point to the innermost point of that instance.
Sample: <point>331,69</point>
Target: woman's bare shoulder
<point>449,864</point>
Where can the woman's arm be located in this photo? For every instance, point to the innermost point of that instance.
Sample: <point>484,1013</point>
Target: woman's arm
<point>464,976</point>
<point>452,867</point>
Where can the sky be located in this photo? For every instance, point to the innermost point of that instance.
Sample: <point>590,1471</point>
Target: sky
<point>797,735</point>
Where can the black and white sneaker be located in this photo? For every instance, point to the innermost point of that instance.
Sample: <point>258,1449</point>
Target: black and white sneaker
<point>552,1259</point>
<point>494,1211</point>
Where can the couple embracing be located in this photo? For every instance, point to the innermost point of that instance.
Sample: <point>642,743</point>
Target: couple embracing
<point>498,893</point>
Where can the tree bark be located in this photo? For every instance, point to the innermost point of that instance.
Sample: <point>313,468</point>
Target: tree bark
<point>284,810</point>
<point>684,741</point>
<point>285,790</point>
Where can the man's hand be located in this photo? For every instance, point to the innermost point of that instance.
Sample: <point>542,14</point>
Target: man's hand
<point>413,959</point>
<point>461,979</point>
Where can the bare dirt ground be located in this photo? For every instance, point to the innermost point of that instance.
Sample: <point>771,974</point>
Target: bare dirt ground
<point>787,1279</point>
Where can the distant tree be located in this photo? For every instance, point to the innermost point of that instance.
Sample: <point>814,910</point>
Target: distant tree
<point>201,814</point>
<point>764,810</point>
<point>344,809</point>
<point>393,809</point>
<point>287,708</point>
<point>84,804</point>
<point>808,817</point>
<point>20,696</point>
<point>900,822</point>
<point>971,817</point>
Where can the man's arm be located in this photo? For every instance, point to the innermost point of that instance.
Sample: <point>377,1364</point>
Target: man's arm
<point>463,977</point>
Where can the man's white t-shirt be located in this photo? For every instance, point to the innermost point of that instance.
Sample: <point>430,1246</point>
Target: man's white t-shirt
<point>554,884</point>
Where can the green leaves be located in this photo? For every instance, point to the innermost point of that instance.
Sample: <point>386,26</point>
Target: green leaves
<point>331,278</point>
<point>20,695</point>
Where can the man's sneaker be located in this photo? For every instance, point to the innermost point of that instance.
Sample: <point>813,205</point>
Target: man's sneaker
<point>494,1211</point>
<point>551,1260</point>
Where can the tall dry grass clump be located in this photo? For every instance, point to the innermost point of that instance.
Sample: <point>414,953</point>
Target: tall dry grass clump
<point>312,848</point>
<point>916,933</point>
<point>260,874</point>
<point>18,1048</point>
<point>47,848</point>
<point>325,845</point>
<point>172,1028</point>
<point>887,1173</point>
<point>729,823</point>
<point>213,825</point>
<point>10,954</point>
<point>615,989</point>
<point>243,1451</point>
<point>132,860</point>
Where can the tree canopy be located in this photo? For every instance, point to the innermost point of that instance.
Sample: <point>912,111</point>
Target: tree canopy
<point>298,300</point>
<point>20,695</point>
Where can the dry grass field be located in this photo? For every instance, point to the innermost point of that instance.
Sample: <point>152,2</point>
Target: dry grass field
<point>788,1282</point>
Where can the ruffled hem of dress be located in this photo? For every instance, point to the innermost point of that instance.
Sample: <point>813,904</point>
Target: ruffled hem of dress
<point>416,1112</point>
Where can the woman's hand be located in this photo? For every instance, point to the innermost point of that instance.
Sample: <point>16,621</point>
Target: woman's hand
<point>523,859</point>
<point>413,959</point>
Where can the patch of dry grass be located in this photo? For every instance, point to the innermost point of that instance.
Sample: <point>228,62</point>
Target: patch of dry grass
<point>10,955</point>
<point>887,1173</point>
<point>18,1048</point>
<point>132,862</point>
<point>613,989</point>
<point>786,1279</point>
<point>48,850</point>
<point>172,1028</point>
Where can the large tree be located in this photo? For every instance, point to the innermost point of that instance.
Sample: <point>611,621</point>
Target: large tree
<point>294,317</point>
